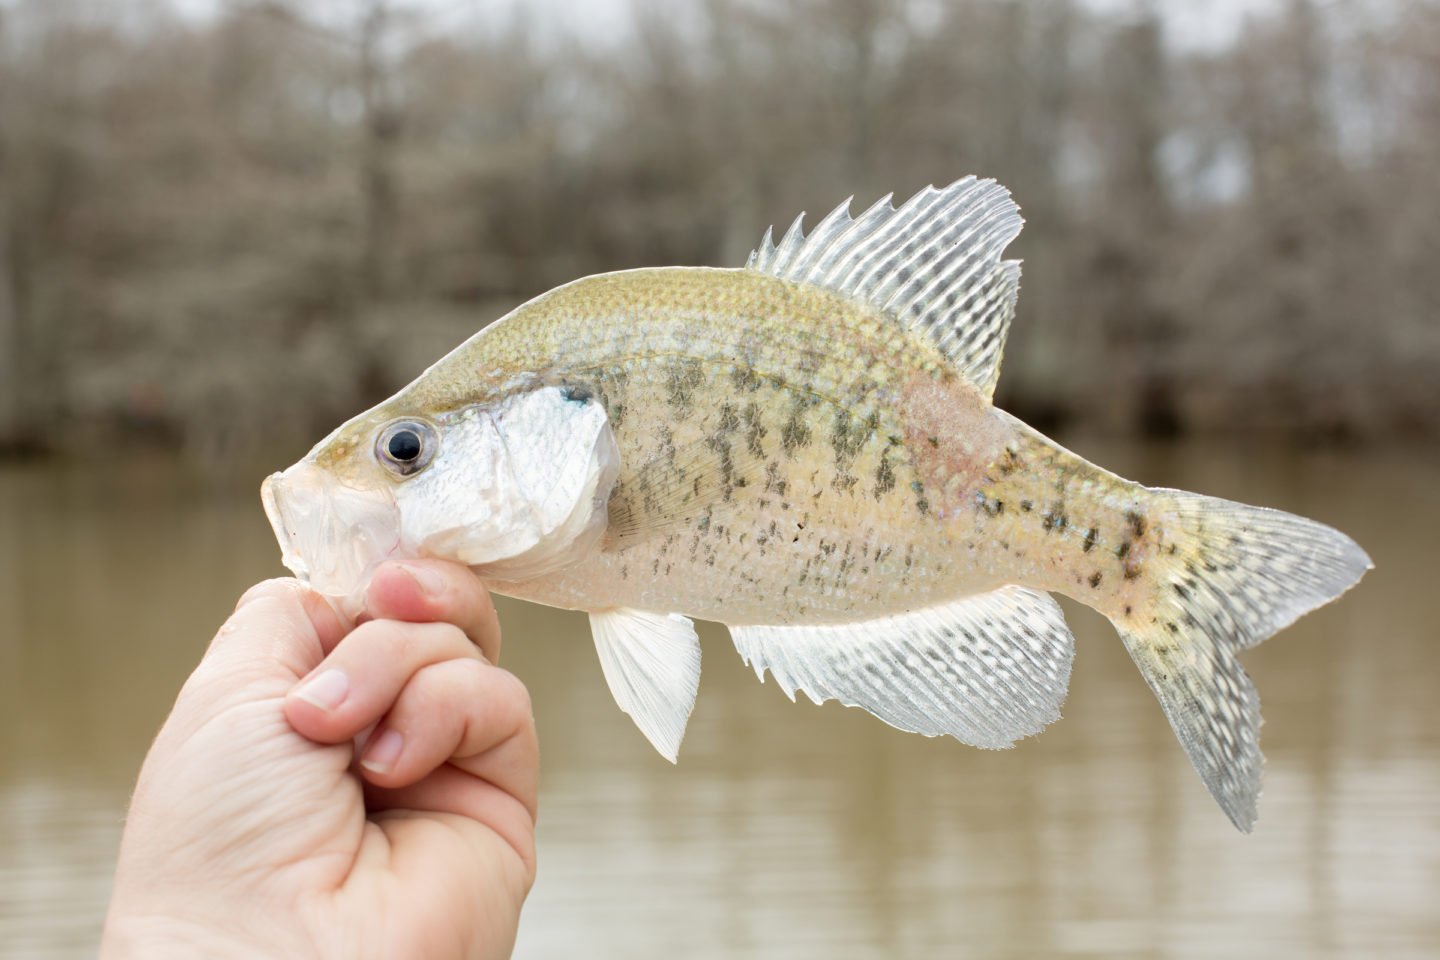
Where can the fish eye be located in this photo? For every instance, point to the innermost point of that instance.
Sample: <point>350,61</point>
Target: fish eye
<point>406,446</point>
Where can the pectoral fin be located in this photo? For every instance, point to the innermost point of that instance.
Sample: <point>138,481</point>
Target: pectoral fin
<point>652,664</point>
<point>987,670</point>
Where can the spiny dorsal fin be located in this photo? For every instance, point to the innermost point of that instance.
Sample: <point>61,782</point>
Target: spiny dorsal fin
<point>934,264</point>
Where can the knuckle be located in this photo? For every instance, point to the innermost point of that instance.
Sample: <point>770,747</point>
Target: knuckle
<point>368,632</point>
<point>449,636</point>
<point>511,691</point>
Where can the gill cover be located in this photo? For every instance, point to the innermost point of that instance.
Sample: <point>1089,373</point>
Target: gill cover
<point>517,490</point>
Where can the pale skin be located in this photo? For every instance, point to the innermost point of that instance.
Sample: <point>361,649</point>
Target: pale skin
<point>258,829</point>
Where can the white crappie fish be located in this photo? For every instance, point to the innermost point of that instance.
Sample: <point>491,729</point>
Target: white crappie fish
<point>805,450</point>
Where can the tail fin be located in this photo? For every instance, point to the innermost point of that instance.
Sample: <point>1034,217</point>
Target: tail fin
<point>1228,576</point>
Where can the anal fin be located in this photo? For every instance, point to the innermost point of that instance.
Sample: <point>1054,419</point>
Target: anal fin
<point>652,664</point>
<point>987,669</point>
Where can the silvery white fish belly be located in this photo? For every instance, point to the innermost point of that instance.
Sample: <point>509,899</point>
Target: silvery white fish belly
<point>805,449</point>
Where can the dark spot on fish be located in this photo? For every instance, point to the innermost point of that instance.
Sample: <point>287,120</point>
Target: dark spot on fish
<point>1054,518</point>
<point>1123,550</point>
<point>1171,626</point>
<point>921,503</point>
<point>1184,594</point>
<point>848,436</point>
<point>1026,505</point>
<point>745,378</point>
<point>754,429</point>
<point>935,442</point>
<point>773,481</point>
<point>576,393</point>
<point>729,420</point>
<point>1137,523</point>
<point>1095,579</point>
<point>1127,611</point>
<point>680,383</point>
<point>796,432</point>
<point>1131,573</point>
<point>884,477</point>
<point>616,412</point>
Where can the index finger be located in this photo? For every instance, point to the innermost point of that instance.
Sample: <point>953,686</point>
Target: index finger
<point>280,620</point>
<point>425,591</point>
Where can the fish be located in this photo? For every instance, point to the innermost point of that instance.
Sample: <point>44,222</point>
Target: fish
<point>805,449</point>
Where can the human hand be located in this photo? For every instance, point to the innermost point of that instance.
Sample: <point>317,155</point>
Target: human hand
<point>255,830</point>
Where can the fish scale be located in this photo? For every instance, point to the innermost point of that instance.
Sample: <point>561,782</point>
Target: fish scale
<point>824,420</point>
<point>806,450</point>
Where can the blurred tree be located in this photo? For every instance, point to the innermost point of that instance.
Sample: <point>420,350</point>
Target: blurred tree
<point>232,231</point>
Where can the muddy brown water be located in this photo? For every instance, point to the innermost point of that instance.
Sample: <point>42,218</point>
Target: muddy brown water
<point>794,830</point>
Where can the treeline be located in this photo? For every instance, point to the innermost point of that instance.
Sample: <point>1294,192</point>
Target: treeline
<point>235,231</point>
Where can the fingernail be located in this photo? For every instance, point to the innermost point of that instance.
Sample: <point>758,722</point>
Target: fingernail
<point>326,691</point>
<point>430,581</point>
<point>382,753</point>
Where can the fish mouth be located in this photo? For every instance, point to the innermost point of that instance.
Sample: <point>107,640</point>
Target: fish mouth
<point>331,536</point>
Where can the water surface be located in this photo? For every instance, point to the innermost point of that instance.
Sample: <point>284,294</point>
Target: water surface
<point>794,830</point>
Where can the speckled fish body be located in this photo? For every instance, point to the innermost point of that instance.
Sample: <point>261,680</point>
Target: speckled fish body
<point>805,450</point>
<point>863,476</point>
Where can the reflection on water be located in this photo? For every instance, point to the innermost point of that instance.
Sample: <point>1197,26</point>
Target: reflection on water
<point>798,831</point>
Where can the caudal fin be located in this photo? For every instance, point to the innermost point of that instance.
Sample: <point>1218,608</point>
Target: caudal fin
<point>1227,576</point>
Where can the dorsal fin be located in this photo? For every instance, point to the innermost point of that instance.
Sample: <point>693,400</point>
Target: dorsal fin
<point>934,264</point>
